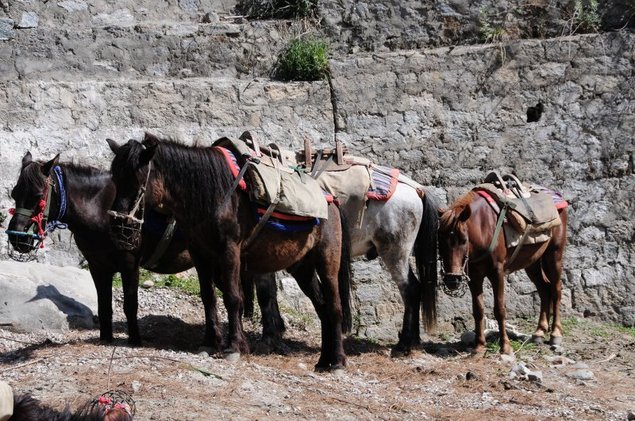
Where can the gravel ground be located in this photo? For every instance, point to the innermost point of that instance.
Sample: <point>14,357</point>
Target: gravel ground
<point>591,377</point>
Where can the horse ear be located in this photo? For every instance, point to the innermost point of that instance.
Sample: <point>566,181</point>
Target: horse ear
<point>150,140</point>
<point>148,153</point>
<point>46,168</point>
<point>27,159</point>
<point>465,214</point>
<point>114,146</point>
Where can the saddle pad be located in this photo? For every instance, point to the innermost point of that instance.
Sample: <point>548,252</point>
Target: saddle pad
<point>383,182</point>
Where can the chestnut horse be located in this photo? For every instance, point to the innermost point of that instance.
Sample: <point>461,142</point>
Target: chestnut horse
<point>466,233</point>
<point>196,186</point>
<point>80,198</point>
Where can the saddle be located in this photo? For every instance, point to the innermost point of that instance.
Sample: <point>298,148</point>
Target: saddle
<point>274,178</point>
<point>351,180</point>
<point>530,209</point>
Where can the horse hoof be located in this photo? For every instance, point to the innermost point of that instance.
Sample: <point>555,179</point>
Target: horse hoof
<point>205,351</point>
<point>555,340</point>
<point>538,340</point>
<point>232,357</point>
<point>399,352</point>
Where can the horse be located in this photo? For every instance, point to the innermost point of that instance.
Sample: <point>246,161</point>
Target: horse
<point>196,186</point>
<point>466,236</point>
<point>392,230</point>
<point>80,197</point>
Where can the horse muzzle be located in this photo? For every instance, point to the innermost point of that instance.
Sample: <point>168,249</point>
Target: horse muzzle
<point>453,280</point>
<point>125,231</point>
<point>23,245</point>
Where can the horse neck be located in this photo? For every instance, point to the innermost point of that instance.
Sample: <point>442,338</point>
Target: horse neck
<point>482,216</point>
<point>89,196</point>
<point>190,183</point>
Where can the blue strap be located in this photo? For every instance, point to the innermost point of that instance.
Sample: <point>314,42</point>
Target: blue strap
<point>63,202</point>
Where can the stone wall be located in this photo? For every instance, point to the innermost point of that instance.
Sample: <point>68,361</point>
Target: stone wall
<point>85,71</point>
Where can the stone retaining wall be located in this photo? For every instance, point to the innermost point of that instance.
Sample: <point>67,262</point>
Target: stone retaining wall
<point>444,116</point>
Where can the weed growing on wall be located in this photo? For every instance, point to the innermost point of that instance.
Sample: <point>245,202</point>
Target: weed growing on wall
<point>304,59</point>
<point>278,9</point>
<point>586,15</point>
<point>3,217</point>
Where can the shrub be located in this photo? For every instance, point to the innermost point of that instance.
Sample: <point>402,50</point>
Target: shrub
<point>586,16</point>
<point>278,9</point>
<point>303,60</point>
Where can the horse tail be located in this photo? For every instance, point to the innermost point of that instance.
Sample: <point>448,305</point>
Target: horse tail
<point>426,257</point>
<point>344,276</point>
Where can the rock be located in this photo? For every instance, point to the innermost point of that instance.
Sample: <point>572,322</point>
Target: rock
<point>470,376</point>
<point>210,17</point>
<point>558,360</point>
<point>522,372</point>
<point>29,20</point>
<point>36,296</point>
<point>508,359</point>
<point>148,284</point>
<point>73,5</point>
<point>580,374</point>
<point>630,416</point>
<point>136,386</point>
<point>6,29</point>
<point>468,338</point>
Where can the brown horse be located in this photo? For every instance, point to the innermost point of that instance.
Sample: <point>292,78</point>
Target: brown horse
<point>196,186</point>
<point>466,233</point>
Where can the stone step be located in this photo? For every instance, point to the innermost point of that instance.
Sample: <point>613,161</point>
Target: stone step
<point>165,49</point>
<point>63,14</point>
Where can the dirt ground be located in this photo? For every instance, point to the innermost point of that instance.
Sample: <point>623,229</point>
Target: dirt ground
<point>170,380</point>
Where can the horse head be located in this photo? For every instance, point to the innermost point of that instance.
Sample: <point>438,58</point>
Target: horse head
<point>131,170</point>
<point>32,197</point>
<point>454,245</point>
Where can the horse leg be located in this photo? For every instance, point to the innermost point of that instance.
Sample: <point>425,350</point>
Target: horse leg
<point>478,311</point>
<point>304,273</point>
<point>272,323</point>
<point>130,281</point>
<point>103,284</point>
<point>536,275</point>
<point>498,285</point>
<point>233,299</point>
<point>552,266</point>
<point>247,281</point>
<point>396,262</point>
<point>213,334</point>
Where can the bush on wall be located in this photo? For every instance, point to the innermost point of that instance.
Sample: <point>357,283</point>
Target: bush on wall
<point>303,60</point>
<point>277,9</point>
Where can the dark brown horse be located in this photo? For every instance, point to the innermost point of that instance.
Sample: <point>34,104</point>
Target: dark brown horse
<point>466,233</point>
<point>195,185</point>
<point>80,197</point>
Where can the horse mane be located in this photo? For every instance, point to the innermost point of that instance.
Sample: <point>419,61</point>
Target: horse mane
<point>450,217</point>
<point>199,174</point>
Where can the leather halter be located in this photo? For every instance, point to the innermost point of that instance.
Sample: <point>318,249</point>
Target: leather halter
<point>40,218</point>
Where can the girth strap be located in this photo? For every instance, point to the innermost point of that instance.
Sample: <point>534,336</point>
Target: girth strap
<point>497,230</point>
<point>160,249</point>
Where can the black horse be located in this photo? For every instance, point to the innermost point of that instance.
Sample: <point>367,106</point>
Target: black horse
<point>195,185</point>
<point>80,197</point>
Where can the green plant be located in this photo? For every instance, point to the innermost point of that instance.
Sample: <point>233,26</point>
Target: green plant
<point>189,285</point>
<point>278,9</point>
<point>3,217</point>
<point>586,16</point>
<point>304,59</point>
<point>490,32</point>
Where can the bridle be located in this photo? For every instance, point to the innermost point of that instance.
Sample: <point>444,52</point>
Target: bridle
<point>125,228</point>
<point>39,219</point>
<point>463,277</point>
